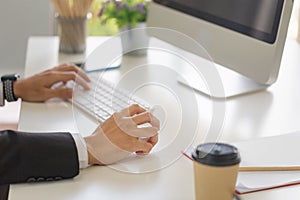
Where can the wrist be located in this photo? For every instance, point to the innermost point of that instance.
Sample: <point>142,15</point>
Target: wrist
<point>91,158</point>
<point>18,89</point>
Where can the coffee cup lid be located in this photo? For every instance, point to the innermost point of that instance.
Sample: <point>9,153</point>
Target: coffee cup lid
<point>216,154</point>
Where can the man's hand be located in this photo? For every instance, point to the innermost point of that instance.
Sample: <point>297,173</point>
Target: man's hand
<point>119,136</point>
<point>38,88</point>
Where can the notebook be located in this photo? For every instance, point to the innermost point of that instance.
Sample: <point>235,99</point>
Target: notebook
<point>277,151</point>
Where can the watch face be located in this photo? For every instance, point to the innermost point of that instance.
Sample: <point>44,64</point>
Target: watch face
<point>12,77</point>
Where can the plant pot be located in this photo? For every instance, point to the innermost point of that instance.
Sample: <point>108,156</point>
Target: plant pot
<point>135,40</point>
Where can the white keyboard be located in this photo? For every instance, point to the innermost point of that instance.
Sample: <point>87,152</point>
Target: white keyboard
<point>104,99</point>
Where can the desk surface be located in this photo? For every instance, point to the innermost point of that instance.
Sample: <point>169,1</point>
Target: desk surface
<point>271,112</point>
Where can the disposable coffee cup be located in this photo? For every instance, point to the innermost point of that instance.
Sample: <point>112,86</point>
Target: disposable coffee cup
<point>216,167</point>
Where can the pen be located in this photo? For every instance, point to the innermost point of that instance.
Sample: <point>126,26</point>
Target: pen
<point>273,168</point>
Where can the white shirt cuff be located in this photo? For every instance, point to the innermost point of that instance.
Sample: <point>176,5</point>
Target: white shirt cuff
<point>81,150</point>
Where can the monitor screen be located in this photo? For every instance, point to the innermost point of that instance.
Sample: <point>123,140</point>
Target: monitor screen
<point>256,18</point>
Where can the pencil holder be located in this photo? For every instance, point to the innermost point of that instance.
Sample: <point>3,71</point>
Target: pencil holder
<point>72,32</point>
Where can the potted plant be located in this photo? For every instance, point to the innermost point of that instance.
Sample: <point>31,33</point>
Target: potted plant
<point>128,14</point>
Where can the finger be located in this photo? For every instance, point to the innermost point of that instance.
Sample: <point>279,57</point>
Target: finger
<point>74,68</point>
<point>132,110</point>
<point>57,76</point>
<point>143,132</point>
<point>139,153</point>
<point>153,140</point>
<point>63,93</point>
<point>142,118</point>
<point>142,146</point>
<point>146,117</point>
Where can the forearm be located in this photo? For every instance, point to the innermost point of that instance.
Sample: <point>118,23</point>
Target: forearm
<point>4,191</point>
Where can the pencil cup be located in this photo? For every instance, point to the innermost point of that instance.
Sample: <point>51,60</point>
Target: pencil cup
<point>73,32</point>
<point>216,167</point>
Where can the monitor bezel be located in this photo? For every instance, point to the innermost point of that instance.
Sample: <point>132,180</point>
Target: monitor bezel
<point>249,31</point>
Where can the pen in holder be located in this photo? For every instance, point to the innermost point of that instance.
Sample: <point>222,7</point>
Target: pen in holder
<point>72,32</point>
<point>72,19</point>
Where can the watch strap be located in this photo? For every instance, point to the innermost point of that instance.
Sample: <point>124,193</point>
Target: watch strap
<point>9,90</point>
<point>1,94</point>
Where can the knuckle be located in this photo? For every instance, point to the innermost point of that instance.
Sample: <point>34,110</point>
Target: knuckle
<point>135,106</point>
<point>60,66</point>
<point>49,70</point>
<point>54,68</point>
<point>73,75</point>
<point>72,67</point>
<point>119,121</point>
<point>51,73</point>
<point>128,123</point>
<point>115,116</point>
<point>149,115</point>
<point>154,139</point>
<point>130,145</point>
<point>148,147</point>
<point>154,131</point>
<point>146,117</point>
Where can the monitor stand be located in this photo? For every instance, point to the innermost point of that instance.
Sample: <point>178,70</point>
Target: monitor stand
<point>234,84</point>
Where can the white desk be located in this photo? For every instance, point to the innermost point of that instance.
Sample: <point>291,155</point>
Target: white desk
<point>266,113</point>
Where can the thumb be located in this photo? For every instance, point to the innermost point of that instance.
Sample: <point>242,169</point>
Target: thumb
<point>63,93</point>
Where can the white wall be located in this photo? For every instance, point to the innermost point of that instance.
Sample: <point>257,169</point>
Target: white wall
<point>18,20</point>
<point>293,27</point>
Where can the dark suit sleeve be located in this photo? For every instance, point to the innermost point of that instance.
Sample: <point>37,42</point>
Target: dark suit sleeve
<point>4,190</point>
<point>31,157</point>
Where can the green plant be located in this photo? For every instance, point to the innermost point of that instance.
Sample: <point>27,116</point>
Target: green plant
<point>124,12</point>
<point>95,25</point>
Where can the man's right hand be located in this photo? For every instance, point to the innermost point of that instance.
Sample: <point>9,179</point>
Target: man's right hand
<point>119,136</point>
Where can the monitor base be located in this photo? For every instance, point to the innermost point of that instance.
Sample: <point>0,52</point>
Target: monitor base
<point>234,85</point>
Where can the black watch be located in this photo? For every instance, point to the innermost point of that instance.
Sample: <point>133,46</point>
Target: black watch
<point>8,86</point>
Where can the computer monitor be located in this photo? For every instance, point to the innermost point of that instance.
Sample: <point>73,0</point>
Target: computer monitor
<point>245,36</point>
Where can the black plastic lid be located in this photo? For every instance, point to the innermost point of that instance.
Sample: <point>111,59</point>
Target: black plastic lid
<point>217,154</point>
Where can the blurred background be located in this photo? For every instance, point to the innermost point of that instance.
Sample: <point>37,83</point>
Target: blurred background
<point>21,19</point>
